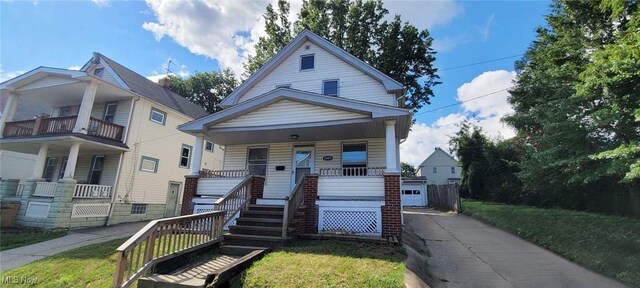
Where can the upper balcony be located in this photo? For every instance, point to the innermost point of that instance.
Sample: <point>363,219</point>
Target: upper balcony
<point>60,126</point>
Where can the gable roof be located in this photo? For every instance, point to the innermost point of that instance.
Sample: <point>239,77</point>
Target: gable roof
<point>273,96</point>
<point>149,89</point>
<point>389,83</point>
<point>437,150</point>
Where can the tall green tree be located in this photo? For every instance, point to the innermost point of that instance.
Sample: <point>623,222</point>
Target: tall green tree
<point>407,170</point>
<point>206,89</point>
<point>394,47</point>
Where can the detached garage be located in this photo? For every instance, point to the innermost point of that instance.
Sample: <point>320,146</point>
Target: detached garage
<point>414,191</point>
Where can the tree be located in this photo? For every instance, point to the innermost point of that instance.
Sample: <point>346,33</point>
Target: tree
<point>396,48</point>
<point>407,170</point>
<point>206,89</point>
<point>468,144</point>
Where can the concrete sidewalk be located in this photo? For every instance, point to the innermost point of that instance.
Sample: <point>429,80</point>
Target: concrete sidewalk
<point>18,257</point>
<point>450,250</point>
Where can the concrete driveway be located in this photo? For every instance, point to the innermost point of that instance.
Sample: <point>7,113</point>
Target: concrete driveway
<point>450,250</point>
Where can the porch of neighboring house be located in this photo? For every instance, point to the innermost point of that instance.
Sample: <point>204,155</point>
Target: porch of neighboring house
<point>328,177</point>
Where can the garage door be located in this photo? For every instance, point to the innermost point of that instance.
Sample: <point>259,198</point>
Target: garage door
<point>413,195</point>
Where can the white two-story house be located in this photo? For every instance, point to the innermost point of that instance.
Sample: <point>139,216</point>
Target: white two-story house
<point>440,168</point>
<point>105,145</point>
<point>318,114</point>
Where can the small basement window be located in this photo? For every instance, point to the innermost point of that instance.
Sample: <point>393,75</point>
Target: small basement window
<point>138,209</point>
<point>330,87</point>
<point>307,62</point>
<point>158,116</point>
<point>208,146</point>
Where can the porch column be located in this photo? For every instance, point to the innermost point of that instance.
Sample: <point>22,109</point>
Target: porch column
<point>38,168</point>
<point>196,159</point>
<point>391,147</point>
<point>9,110</point>
<point>82,122</point>
<point>70,170</point>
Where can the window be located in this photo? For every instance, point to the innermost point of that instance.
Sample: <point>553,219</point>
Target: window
<point>330,87</point>
<point>158,116</point>
<point>110,112</point>
<point>149,164</point>
<point>62,168</point>
<point>453,170</point>
<point>257,161</point>
<point>64,111</point>
<point>307,62</point>
<point>354,155</point>
<point>185,156</point>
<point>96,170</point>
<point>208,146</point>
<point>98,72</point>
<point>435,170</point>
<point>138,209</point>
<point>283,86</point>
<point>49,169</point>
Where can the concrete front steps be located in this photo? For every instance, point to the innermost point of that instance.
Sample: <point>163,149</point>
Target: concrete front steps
<point>261,226</point>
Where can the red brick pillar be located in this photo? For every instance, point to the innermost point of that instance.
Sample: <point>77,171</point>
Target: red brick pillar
<point>190,188</point>
<point>310,197</point>
<point>392,211</point>
<point>257,188</point>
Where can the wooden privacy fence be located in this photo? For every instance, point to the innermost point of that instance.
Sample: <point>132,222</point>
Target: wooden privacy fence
<point>165,239</point>
<point>444,197</point>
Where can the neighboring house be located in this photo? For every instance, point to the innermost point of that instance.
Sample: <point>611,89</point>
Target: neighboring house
<point>105,145</point>
<point>318,113</point>
<point>440,168</point>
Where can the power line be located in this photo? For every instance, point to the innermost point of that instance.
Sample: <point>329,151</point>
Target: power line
<point>460,102</point>
<point>478,63</point>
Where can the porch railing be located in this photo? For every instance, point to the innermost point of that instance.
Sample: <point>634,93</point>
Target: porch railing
<point>20,190</point>
<point>223,173</point>
<point>352,171</point>
<point>45,189</point>
<point>62,125</point>
<point>165,239</point>
<point>291,205</point>
<point>236,200</point>
<point>92,191</point>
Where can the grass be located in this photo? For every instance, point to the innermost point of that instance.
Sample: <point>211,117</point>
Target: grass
<point>88,266</point>
<point>607,244</point>
<point>329,263</point>
<point>15,240</point>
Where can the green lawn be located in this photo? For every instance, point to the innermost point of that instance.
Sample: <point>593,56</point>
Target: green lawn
<point>11,240</point>
<point>329,264</point>
<point>88,266</point>
<point>607,244</point>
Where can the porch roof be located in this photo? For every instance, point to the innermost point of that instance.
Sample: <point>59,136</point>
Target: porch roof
<point>361,120</point>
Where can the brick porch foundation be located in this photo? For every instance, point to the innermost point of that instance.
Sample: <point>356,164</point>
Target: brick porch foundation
<point>257,188</point>
<point>310,196</point>
<point>190,188</point>
<point>392,211</point>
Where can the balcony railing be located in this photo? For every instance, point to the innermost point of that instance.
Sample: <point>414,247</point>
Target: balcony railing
<point>45,189</point>
<point>352,171</point>
<point>62,125</point>
<point>92,191</point>
<point>223,173</point>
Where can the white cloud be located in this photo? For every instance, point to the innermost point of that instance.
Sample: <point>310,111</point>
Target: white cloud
<point>75,67</point>
<point>175,69</point>
<point>6,75</point>
<point>486,29</point>
<point>102,3</point>
<point>484,112</point>
<point>444,44</point>
<point>423,13</point>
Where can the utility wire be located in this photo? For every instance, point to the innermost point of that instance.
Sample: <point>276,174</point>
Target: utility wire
<point>478,63</point>
<point>460,102</point>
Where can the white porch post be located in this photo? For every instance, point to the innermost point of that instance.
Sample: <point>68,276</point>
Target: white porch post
<point>70,170</point>
<point>9,110</point>
<point>391,147</point>
<point>86,105</point>
<point>196,159</point>
<point>38,167</point>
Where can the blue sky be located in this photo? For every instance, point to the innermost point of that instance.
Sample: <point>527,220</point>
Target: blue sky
<point>198,37</point>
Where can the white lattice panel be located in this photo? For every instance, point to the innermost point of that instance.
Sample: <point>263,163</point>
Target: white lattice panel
<point>200,208</point>
<point>38,210</point>
<point>350,220</point>
<point>90,210</point>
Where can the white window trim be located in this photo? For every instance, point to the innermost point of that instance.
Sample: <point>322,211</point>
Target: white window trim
<point>314,62</point>
<point>188,157</point>
<point>212,146</point>
<point>156,163</point>
<point>247,159</point>
<point>337,87</point>
<point>164,116</point>
<point>366,146</point>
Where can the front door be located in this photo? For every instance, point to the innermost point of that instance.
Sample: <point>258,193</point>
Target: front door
<point>172,199</point>
<point>303,163</point>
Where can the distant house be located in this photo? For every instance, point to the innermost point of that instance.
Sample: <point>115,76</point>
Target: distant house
<point>103,144</point>
<point>440,168</point>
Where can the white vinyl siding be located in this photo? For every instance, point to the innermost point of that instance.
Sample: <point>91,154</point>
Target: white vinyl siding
<point>351,186</point>
<point>109,168</point>
<point>278,183</point>
<point>216,186</point>
<point>288,112</point>
<point>122,111</point>
<point>354,84</point>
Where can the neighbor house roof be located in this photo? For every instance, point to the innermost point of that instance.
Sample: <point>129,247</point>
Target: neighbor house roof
<point>437,150</point>
<point>389,83</point>
<point>149,89</point>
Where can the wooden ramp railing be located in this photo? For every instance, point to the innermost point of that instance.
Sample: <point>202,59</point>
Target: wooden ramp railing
<point>165,239</point>
<point>235,200</point>
<point>291,205</point>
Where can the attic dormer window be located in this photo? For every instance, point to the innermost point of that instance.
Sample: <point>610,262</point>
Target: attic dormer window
<point>98,72</point>
<point>307,62</point>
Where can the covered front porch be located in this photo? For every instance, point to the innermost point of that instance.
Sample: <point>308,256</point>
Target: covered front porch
<point>344,152</point>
